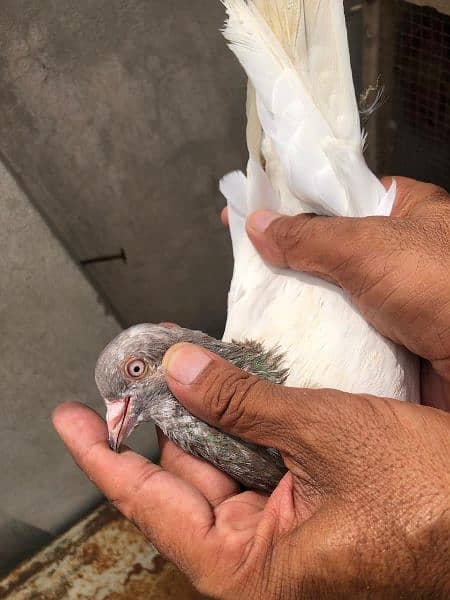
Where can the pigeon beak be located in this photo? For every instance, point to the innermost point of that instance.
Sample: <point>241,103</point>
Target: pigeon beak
<point>120,420</point>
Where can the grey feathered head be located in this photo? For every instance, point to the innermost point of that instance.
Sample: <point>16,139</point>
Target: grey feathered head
<point>130,378</point>
<point>128,374</point>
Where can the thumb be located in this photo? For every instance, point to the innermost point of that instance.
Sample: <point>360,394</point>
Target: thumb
<point>244,405</point>
<point>337,249</point>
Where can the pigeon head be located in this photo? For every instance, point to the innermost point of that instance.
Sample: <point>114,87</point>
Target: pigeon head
<point>129,376</point>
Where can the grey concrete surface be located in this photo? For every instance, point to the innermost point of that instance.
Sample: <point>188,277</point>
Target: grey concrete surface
<point>120,116</point>
<point>52,330</point>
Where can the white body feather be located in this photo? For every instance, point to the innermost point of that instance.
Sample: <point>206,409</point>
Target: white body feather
<point>304,127</point>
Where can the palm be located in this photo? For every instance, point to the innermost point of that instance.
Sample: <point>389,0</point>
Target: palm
<point>208,507</point>
<point>234,517</point>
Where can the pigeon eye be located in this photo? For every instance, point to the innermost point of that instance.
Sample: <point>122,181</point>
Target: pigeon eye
<point>136,368</point>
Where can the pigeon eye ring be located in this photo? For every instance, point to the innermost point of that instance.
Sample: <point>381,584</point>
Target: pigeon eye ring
<point>135,368</point>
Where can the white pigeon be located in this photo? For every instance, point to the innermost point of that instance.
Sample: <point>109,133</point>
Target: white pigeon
<point>306,155</point>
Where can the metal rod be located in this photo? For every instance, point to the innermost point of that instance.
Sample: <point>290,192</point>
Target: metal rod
<point>100,259</point>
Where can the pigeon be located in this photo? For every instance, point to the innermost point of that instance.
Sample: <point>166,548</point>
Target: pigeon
<point>306,154</point>
<point>129,377</point>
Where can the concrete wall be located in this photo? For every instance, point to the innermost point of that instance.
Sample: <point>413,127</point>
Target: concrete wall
<point>52,328</point>
<point>117,118</point>
<point>120,117</point>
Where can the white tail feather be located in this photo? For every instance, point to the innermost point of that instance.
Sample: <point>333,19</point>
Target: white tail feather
<point>313,37</point>
<point>305,148</point>
<point>296,54</point>
<point>254,43</point>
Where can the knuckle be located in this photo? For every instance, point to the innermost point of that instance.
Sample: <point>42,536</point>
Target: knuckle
<point>288,233</point>
<point>129,500</point>
<point>323,245</point>
<point>368,232</point>
<point>144,475</point>
<point>176,461</point>
<point>228,395</point>
<point>86,461</point>
<point>365,254</point>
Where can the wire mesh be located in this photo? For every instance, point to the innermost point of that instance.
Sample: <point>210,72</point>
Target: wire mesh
<point>416,116</point>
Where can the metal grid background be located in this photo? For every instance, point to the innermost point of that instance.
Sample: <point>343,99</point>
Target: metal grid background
<point>413,127</point>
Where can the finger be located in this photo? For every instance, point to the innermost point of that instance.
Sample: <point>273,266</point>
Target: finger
<point>225,218</point>
<point>215,485</point>
<point>334,248</point>
<point>168,510</point>
<point>242,404</point>
<point>339,249</point>
<point>435,389</point>
<point>413,196</point>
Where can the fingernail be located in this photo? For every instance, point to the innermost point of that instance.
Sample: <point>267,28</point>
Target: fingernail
<point>185,363</point>
<point>260,221</point>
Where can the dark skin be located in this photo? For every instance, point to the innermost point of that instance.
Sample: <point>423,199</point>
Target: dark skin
<point>364,511</point>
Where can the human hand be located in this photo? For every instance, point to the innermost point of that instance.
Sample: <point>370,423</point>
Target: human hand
<point>396,270</point>
<point>364,510</point>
